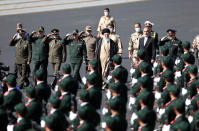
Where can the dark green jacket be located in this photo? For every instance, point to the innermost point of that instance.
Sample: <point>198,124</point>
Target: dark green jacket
<point>65,105</point>
<point>86,126</point>
<point>3,119</point>
<point>23,125</point>
<point>43,91</point>
<point>95,96</point>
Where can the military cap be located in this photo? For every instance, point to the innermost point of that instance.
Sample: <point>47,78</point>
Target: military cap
<point>141,53</point>
<point>186,45</point>
<point>180,105</point>
<point>82,112</point>
<point>148,22</point>
<point>54,101</point>
<point>169,75</point>
<point>145,67</point>
<point>21,109</point>
<point>188,58</point>
<point>21,31</point>
<point>91,79</point>
<point>117,59</point>
<point>39,74</point>
<point>168,61</point>
<point>172,30</point>
<point>88,28</point>
<point>41,29</point>
<point>112,123</point>
<point>19,24</point>
<point>84,95</point>
<point>55,31</point>
<point>164,50</point>
<point>30,90</point>
<point>174,89</point>
<point>106,30</point>
<point>117,73</point>
<point>145,97</point>
<point>93,63</point>
<point>66,68</point>
<point>115,87</point>
<point>75,32</point>
<point>114,104</point>
<point>65,84</point>
<point>1,99</point>
<point>11,80</point>
<point>193,69</point>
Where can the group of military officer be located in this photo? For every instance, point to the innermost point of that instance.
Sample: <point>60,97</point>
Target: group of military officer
<point>163,94</point>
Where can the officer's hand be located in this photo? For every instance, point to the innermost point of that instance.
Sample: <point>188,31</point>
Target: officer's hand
<point>85,62</point>
<point>98,35</point>
<point>28,62</point>
<point>130,56</point>
<point>80,33</point>
<point>152,61</point>
<point>49,35</point>
<point>67,35</point>
<point>14,36</point>
<point>34,32</point>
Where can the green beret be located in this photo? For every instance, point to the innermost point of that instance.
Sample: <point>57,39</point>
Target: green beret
<point>169,75</point>
<point>41,28</point>
<point>115,87</point>
<point>168,62</point>
<point>39,74</point>
<point>91,79</point>
<point>82,112</point>
<point>117,73</point>
<point>1,99</point>
<point>75,31</point>
<point>114,104</point>
<point>143,81</point>
<point>186,45</point>
<point>145,67</point>
<point>117,59</point>
<point>54,31</point>
<point>65,84</point>
<point>143,116</point>
<point>93,63</point>
<point>30,90</point>
<point>193,69</point>
<point>66,68</point>
<point>50,122</point>
<point>112,123</point>
<point>21,109</point>
<point>164,50</point>
<point>175,90</point>
<point>180,105</point>
<point>188,58</point>
<point>145,96</point>
<point>54,101</point>
<point>84,95</point>
<point>141,53</point>
<point>11,80</point>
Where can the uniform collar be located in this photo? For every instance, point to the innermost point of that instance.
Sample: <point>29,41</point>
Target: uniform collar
<point>66,75</point>
<point>90,87</point>
<point>91,72</point>
<point>64,93</point>
<point>83,104</point>
<point>39,82</point>
<point>9,89</point>
<point>19,119</point>
<point>144,75</point>
<point>52,111</point>
<point>117,66</point>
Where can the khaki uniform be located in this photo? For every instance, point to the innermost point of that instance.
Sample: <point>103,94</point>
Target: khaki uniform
<point>57,54</point>
<point>104,22</point>
<point>195,45</point>
<point>134,45</point>
<point>91,45</point>
<point>104,57</point>
<point>23,55</point>
<point>117,40</point>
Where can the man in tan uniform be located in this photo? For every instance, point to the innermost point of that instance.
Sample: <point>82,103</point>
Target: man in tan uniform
<point>134,43</point>
<point>57,52</point>
<point>195,45</point>
<point>116,38</point>
<point>91,44</point>
<point>105,21</point>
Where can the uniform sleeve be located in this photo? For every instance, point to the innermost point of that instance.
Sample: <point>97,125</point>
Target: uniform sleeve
<point>100,24</point>
<point>13,42</point>
<point>120,46</point>
<point>194,44</point>
<point>29,52</point>
<point>66,41</point>
<point>46,40</point>
<point>63,53</point>
<point>84,51</point>
<point>114,23</point>
<point>130,44</point>
<point>32,38</point>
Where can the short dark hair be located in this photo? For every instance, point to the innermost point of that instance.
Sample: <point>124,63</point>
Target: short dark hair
<point>138,23</point>
<point>107,9</point>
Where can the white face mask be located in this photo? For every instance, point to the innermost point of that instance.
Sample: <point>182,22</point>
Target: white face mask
<point>106,13</point>
<point>111,29</point>
<point>137,29</point>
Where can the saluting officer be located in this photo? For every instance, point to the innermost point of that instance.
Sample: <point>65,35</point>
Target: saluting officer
<point>23,56</point>
<point>57,52</point>
<point>77,52</point>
